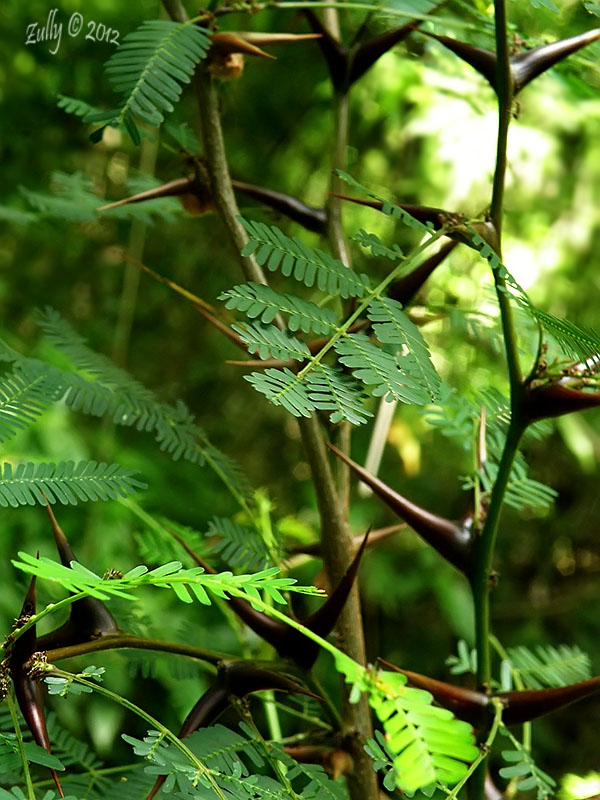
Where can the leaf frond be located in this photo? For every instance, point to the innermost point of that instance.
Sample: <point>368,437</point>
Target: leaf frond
<point>149,67</point>
<point>273,249</point>
<point>549,666</point>
<point>386,375</point>
<point>66,482</point>
<point>391,326</point>
<point>261,302</point>
<point>523,768</point>
<point>268,341</point>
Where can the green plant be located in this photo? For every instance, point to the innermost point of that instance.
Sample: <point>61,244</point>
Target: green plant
<point>435,736</point>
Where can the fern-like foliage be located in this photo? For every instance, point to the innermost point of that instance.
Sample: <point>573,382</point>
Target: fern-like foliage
<point>392,327</point>
<point>273,249</point>
<point>522,491</point>
<point>465,660</point>
<point>105,389</point>
<point>268,341</point>
<point>282,388</point>
<point>524,770</point>
<point>457,416</point>
<point>234,761</point>
<point>330,389</point>
<point>259,301</point>
<point>577,343</point>
<point>71,198</point>
<point>427,744</point>
<point>388,208</point>
<point>549,666</point>
<point>187,584</point>
<point>239,545</point>
<point>74,198</point>
<point>325,388</point>
<point>77,107</point>
<point>387,375</point>
<point>66,482</point>
<point>148,68</point>
<point>24,395</point>
<point>372,242</point>
<point>402,369</point>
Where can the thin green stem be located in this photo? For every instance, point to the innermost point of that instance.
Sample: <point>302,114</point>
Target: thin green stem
<point>481,579</point>
<point>519,684</point>
<point>21,746</point>
<point>202,770</point>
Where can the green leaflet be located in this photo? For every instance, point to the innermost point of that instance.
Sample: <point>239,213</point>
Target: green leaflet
<point>523,767</point>
<point>392,326</point>
<point>324,388</point>
<point>148,68</point>
<point>576,342</point>
<point>239,546</point>
<point>373,243</point>
<point>425,744</point>
<point>24,395</point>
<point>78,107</point>
<point>388,208</point>
<point>388,376</point>
<point>78,578</point>
<point>550,666</point>
<point>66,482</point>
<point>330,389</point>
<point>268,341</point>
<point>273,249</point>
<point>259,301</point>
<point>457,416</point>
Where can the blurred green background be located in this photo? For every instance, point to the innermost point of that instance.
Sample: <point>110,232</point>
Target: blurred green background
<point>422,130</point>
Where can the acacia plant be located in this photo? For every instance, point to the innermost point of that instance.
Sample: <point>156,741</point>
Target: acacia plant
<point>324,343</point>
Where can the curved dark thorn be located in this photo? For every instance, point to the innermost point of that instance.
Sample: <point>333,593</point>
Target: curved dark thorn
<point>289,642</point>
<point>335,54</point>
<point>450,540</point>
<point>311,218</point>
<point>27,690</point>
<point>556,400</point>
<point>89,618</point>
<point>529,704</point>
<point>364,55</point>
<point>405,289</point>
<point>466,704</point>
<point>481,60</point>
<point>195,197</point>
<point>527,66</point>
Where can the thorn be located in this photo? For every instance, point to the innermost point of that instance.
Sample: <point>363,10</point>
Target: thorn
<point>236,679</point>
<point>466,704</point>
<point>89,618</point>
<point>555,400</point>
<point>529,704</point>
<point>451,541</point>
<point>289,642</point>
<point>405,289</point>
<point>27,690</point>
